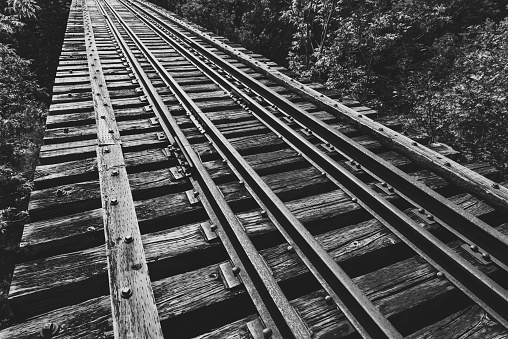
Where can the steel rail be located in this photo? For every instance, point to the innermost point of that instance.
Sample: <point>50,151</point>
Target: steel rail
<point>364,316</point>
<point>274,308</point>
<point>463,224</point>
<point>465,276</point>
<point>488,190</point>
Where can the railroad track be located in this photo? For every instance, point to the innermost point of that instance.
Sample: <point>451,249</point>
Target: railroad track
<point>189,188</point>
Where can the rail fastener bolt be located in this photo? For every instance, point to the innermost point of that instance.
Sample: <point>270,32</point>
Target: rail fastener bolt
<point>486,256</point>
<point>473,248</point>
<point>236,270</point>
<point>128,239</point>
<point>213,227</point>
<point>440,274</point>
<point>329,300</point>
<point>267,332</point>
<point>114,201</point>
<point>49,330</point>
<point>290,248</point>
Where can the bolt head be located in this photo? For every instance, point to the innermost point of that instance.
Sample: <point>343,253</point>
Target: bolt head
<point>473,248</point>
<point>128,239</point>
<point>439,274</point>
<point>485,256</point>
<point>384,184</point>
<point>329,300</point>
<point>236,270</point>
<point>126,292</point>
<point>267,332</point>
<point>213,227</point>
<point>421,210</point>
<point>430,217</point>
<point>114,201</point>
<point>115,173</point>
<point>107,150</point>
<point>49,329</point>
<point>390,189</point>
<point>495,185</point>
<point>290,248</point>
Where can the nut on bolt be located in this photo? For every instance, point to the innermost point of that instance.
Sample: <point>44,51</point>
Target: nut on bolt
<point>128,239</point>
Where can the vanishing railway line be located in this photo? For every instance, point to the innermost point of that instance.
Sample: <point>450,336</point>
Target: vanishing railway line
<point>222,199</point>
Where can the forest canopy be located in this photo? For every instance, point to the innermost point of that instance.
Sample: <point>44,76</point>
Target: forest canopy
<point>439,65</point>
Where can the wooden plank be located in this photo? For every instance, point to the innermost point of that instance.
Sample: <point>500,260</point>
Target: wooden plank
<point>133,306</point>
<point>317,211</point>
<point>390,287</point>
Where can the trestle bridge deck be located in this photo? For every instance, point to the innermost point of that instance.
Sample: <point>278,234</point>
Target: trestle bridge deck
<point>189,188</point>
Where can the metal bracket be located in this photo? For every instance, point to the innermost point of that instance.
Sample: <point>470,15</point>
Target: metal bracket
<point>354,166</point>
<point>307,132</point>
<point>328,147</point>
<point>134,81</point>
<point>288,120</point>
<point>132,75</point>
<point>161,136</point>
<point>166,152</point>
<point>154,121</point>
<point>422,217</point>
<point>479,254</point>
<point>208,233</point>
<point>143,98</point>
<point>177,172</point>
<point>228,277</point>
<point>257,330</point>
<point>192,196</point>
<point>386,188</point>
<point>148,108</point>
<point>139,90</point>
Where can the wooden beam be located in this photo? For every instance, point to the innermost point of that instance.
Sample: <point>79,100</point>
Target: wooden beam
<point>133,306</point>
